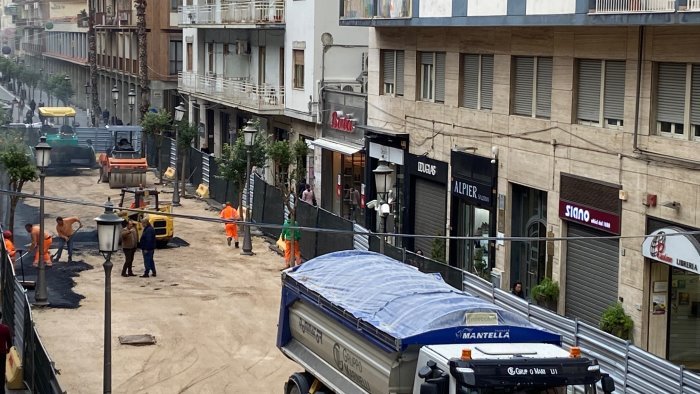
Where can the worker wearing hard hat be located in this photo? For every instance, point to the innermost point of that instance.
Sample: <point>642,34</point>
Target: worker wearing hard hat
<point>9,245</point>
<point>36,238</point>
<point>230,213</point>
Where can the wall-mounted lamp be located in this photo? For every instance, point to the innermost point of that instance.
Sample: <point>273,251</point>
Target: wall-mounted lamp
<point>494,154</point>
<point>671,204</point>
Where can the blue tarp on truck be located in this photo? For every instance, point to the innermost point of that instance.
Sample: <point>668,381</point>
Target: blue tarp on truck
<point>393,305</point>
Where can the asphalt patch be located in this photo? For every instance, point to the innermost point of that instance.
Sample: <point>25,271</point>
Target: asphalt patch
<point>59,281</point>
<point>177,242</point>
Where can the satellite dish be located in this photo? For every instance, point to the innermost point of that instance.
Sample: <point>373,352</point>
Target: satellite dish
<point>327,39</point>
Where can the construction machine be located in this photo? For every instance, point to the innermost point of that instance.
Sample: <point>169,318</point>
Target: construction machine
<point>146,201</point>
<point>57,123</point>
<point>122,164</point>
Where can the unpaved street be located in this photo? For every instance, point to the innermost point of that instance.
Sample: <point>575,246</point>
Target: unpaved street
<point>212,311</point>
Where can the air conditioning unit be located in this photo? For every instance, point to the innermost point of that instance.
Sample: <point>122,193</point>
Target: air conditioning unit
<point>352,87</point>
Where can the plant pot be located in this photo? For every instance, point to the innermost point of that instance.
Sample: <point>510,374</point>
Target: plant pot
<point>547,303</point>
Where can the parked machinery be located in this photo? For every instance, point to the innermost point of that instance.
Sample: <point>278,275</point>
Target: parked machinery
<point>58,124</point>
<point>122,164</point>
<point>146,200</point>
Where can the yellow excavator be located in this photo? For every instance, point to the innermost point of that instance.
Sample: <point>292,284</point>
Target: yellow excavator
<point>146,199</point>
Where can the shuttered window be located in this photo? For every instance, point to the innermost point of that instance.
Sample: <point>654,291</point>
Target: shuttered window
<point>432,76</point>
<point>532,86</point>
<point>298,56</point>
<point>477,81</point>
<point>392,72</point>
<point>601,93</point>
<point>695,102</point>
<point>678,100</point>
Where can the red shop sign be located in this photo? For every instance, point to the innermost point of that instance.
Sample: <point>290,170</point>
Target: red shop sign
<point>342,122</point>
<point>590,217</point>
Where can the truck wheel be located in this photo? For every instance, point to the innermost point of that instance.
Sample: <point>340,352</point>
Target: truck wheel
<point>297,384</point>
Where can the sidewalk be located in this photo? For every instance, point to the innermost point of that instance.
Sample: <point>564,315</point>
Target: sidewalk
<point>80,113</point>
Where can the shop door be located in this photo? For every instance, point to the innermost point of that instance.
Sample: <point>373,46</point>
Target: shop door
<point>430,206</point>
<point>592,267</point>
<point>535,252</point>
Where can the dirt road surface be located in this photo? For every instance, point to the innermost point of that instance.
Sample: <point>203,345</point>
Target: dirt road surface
<point>212,311</point>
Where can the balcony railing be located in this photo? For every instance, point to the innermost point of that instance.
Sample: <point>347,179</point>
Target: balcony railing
<point>243,12</point>
<point>365,9</point>
<point>34,48</point>
<point>633,6</point>
<point>122,18</point>
<point>239,92</point>
<point>693,5</point>
<point>118,63</point>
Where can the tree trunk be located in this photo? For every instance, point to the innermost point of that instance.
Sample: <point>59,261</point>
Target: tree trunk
<point>143,57</point>
<point>92,61</point>
<point>183,175</point>
<point>13,207</point>
<point>159,148</point>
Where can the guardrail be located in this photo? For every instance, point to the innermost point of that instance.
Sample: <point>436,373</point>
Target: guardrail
<point>238,92</point>
<point>634,369</point>
<point>238,12</point>
<point>633,6</point>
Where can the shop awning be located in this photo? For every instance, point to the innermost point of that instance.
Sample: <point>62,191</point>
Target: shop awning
<point>346,149</point>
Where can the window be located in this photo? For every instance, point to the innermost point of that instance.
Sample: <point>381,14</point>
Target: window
<point>298,82</point>
<point>477,81</point>
<point>210,57</point>
<point>174,4</point>
<point>189,57</point>
<point>601,93</point>
<point>175,57</point>
<point>261,65</point>
<point>532,86</point>
<point>678,100</point>
<point>432,76</point>
<point>392,72</point>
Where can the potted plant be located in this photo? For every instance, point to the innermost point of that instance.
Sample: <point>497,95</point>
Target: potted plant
<point>546,294</point>
<point>480,266</point>
<point>615,321</point>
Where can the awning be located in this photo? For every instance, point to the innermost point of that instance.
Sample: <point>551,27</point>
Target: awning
<point>346,149</point>
<point>673,246</point>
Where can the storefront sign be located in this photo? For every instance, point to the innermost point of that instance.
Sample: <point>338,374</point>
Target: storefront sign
<point>427,168</point>
<point>669,245</point>
<point>587,216</point>
<point>342,122</point>
<point>471,191</point>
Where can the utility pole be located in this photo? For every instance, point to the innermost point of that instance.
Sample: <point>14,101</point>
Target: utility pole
<point>92,61</point>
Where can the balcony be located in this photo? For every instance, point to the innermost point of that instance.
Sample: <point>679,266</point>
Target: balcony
<point>693,5</point>
<point>633,6</point>
<point>246,12</point>
<point>117,63</point>
<point>33,48</point>
<point>367,9</point>
<point>123,18</point>
<point>234,91</point>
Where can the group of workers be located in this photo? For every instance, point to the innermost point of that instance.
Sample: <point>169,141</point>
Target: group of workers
<point>65,232</point>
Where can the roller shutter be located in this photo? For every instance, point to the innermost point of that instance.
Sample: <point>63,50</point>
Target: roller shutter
<point>399,73</point>
<point>614,106</point>
<point>440,77</point>
<point>671,93</point>
<point>588,107</point>
<point>592,268</point>
<point>388,66</point>
<point>544,87</point>
<point>522,95</point>
<point>470,81</point>
<point>430,207</point>
<point>486,82</point>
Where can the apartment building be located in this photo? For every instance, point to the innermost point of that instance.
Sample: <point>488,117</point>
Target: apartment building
<point>8,16</point>
<point>549,118</point>
<point>272,62</point>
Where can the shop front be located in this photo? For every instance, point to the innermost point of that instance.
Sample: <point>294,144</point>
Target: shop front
<point>340,162</point>
<point>474,183</point>
<point>426,202</point>
<point>590,209</point>
<point>673,258</point>
<point>528,219</point>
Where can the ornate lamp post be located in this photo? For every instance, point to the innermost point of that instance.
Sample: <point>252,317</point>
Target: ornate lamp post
<point>384,181</point>
<point>115,97</point>
<point>87,101</point>
<point>108,240</point>
<point>249,138</point>
<point>132,102</point>
<point>43,159</point>
<point>179,114</point>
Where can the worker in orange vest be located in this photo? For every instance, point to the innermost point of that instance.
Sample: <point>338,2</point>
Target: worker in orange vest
<point>9,245</point>
<point>34,230</point>
<point>230,213</point>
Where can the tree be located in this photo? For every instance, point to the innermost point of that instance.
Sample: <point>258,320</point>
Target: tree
<point>233,160</point>
<point>142,41</point>
<point>186,133</point>
<point>288,169</point>
<point>20,169</point>
<point>92,61</point>
<point>155,124</point>
<point>61,88</point>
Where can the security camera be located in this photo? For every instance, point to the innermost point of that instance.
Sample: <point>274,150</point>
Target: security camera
<point>384,209</point>
<point>493,161</point>
<point>372,204</point>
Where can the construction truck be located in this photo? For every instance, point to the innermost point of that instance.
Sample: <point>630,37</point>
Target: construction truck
<point>57,124</point>
<point>360,322</point>
<point>122,164</point>
<point>138,203</point>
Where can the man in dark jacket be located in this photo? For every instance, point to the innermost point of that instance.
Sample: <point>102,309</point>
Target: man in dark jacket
<point>148,246</point>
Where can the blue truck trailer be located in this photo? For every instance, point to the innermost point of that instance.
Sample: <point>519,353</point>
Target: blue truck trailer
<point>360,322</point>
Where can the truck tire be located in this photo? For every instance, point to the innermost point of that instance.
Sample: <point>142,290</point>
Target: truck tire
<point>297,384</point>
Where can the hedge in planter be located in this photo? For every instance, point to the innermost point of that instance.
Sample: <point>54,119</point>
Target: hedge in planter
<point>615,321</point>
<point>546,294</point>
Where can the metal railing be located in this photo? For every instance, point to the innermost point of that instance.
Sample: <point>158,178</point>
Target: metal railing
<point>693,5</point>
<point>365,9</point>
<point>238,92</point>
<point>634,369</point>
<point>244,12</point>
<point>633,6</point>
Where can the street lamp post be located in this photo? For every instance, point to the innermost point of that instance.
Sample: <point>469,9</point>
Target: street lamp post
<point>132,102</point>
<point>115,97</point>
<point>108,239</point>
<point>43,159</point>
<point>41,77</point>
<point>384,181</point>
<point>87,101</point>
<point>249,138</point>
<point>179,113</point>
